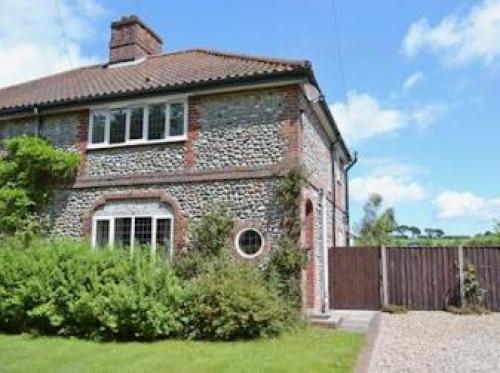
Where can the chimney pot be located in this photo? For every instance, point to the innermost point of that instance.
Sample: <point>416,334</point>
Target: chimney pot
<point>132,39</point>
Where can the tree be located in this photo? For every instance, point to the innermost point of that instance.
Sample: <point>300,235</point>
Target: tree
<point>429,232</point>
<point>434,232</point>
<point>439,233</point>
<point>415,231</point>
<point>376,226</point>
<point>402,230</point>
<point>29,171</point>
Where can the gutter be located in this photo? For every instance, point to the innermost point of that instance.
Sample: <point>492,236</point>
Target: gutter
<point>329,116</point>
<point>348,167</point>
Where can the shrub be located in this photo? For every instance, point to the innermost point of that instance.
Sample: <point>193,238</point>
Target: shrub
<point>62,287</point>
<point>28,173</point>
<point>209,243</point>
<point>284,270</point>
<point>473,292</point>
<point>231,300</point>
<point>211,233</point>
<point>190,265</point>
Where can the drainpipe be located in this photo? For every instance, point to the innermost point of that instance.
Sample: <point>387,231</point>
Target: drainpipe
<point>326,297</point>
<point>334,225</point>
<point>348,167</point>
<point>36,116</point>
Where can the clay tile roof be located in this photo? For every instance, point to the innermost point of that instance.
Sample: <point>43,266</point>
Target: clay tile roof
<point>190,67</point>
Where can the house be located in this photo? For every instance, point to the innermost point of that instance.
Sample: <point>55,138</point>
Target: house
<point>166,136</point>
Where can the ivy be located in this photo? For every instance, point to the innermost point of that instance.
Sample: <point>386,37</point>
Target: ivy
<point>288,260</point>
<point>29,172</point>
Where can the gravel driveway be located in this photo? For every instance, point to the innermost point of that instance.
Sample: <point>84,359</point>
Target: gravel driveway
<point>437,342</point>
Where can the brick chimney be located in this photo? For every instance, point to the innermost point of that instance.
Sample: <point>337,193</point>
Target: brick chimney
<point>131,39</point>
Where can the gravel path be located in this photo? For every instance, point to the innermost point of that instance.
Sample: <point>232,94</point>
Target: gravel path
<point>437,342</point>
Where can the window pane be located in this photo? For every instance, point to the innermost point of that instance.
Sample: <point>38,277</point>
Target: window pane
<point>117,126</point>
<point>250,242</point>
<point>102,233</point>
<point>163,237</point>
<point>123,227</point>
<point>176,119</point>
<point>136,117</point>
<point>98,128</point>
<point>156,122</point>
<point>143,231</point>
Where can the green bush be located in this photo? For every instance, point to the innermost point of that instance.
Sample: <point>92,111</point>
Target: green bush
<point>62,287</point>
<point>231,300</point>
<point>284,270</point>
<point>210,239</point>
<point>211,233</point>
<point>28,173</point>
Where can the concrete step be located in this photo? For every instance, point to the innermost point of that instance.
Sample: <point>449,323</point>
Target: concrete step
<point>325,320</point>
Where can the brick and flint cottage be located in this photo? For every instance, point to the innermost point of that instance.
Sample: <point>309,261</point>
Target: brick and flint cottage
<point>164,137</point>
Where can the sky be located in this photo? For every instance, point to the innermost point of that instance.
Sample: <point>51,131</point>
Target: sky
<point>413,85</point>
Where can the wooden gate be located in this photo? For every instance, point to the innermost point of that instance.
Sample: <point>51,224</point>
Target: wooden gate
<point>354,277</point>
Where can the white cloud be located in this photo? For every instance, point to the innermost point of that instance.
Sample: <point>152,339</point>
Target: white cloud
<point>395,182</point>
<point>425,115</point>
<point>363,117</point>
<point>32,40</point>
<point>452,204</point>
<point>412,80</point>
<point>459,38</point>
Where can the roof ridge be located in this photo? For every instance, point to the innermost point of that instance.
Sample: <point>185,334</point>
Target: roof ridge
<point>222,53</point>
<point>228,54</point>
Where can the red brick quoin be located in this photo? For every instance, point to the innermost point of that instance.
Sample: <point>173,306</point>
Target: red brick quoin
<point>81,140</point>
<point>180,221</point>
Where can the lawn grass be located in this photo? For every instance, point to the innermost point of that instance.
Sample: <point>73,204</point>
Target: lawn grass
<point>307,350</point>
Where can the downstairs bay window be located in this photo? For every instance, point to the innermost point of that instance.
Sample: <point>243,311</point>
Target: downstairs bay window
<point>128,225</point>
<point>138,124</point>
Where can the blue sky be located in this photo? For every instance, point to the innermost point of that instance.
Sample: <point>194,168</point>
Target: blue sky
<point>421,100</point>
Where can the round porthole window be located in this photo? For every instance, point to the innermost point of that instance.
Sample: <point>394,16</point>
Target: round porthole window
<point>249,243</point>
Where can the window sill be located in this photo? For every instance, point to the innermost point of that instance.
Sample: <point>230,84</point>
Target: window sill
<point>137,143</point>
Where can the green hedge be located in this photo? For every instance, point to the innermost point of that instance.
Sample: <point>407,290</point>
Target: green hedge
<point>231,300</point>
<point>62,287</point>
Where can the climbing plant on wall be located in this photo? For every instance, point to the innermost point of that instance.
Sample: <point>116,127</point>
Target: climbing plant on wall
<point>29,171</point>
<point>288,260</point>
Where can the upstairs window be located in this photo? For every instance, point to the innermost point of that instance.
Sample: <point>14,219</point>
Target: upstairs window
<point>99,128</point>
<point>156,121</point>
<point>138,124</point>
<point>117,127</point>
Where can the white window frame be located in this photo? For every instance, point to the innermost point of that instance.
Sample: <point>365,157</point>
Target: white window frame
<point>241,252</point>
<point>128,106</point>
<point>111,232</point>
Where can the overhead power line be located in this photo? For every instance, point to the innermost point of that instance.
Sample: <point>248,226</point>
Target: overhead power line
<point>339,47</point>
<point>63,32</point>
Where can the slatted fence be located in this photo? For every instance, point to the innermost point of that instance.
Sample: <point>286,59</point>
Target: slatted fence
<point>423,278</point>
<point>420,278</point>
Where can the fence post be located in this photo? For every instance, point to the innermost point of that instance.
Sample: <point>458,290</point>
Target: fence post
<point>383,270</point>
<point>461,277</point>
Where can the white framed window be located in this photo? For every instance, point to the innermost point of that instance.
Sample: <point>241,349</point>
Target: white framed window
<point>127,224</point>
<point>249,242</point>
<point>138,123</point>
